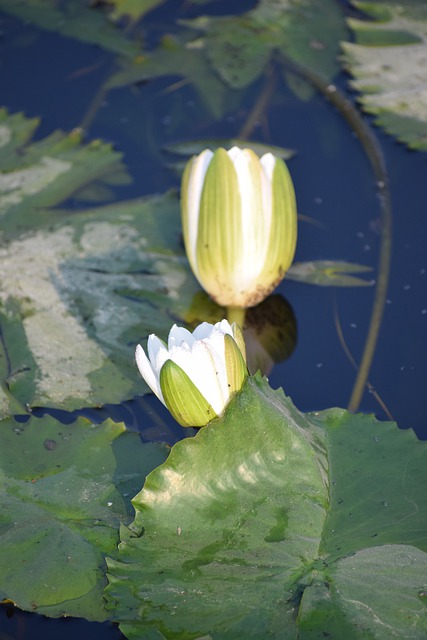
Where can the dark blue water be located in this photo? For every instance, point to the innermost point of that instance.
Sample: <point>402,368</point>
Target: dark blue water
<point>55,78</point>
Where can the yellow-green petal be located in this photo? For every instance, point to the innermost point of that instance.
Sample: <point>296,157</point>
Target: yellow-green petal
<point>183,399</point>
<point>234,364</point>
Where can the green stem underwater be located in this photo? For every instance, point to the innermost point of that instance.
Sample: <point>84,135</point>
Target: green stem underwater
<point>237,315</point>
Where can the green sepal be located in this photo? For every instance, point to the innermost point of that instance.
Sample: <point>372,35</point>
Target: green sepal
<point>220,223</point>
<point>235,364</point>
<point>183,399</point>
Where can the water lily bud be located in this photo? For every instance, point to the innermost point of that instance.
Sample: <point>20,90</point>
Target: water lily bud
<point>239,223</point>
<point>197,373</point>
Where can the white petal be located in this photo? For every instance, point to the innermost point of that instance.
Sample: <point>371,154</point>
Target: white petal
<point>234,152</point>
<point>146,370</point>
<point>254,240</point>
<point>195,187</point>
<point>268,162</point>
<point>224,326</point>
<point>155,346</point>
<point>204,330</point>
<point>216,346</point>
<point>200,367</point>
<point>178,335</point>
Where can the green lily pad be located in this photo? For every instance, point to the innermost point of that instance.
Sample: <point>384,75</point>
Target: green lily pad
<point>95,286</point>
<point>37,175</point>
<point>249,530</point>
<point>376,593</point>
<point>387,61</point>
<point>65,489</point>
<point>79,288</point>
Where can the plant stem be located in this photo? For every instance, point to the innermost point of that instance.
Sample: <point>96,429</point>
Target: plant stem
<point>374,153</point>
<point>237,315</point>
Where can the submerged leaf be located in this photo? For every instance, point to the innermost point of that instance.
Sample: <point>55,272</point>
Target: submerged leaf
<point>329,273</point>
<point>74,19</point>
<point>306,31</point>
<point>388,62</point>
<point>64,493</point>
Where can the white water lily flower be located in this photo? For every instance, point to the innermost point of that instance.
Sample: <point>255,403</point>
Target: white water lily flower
<point>197,373</point>
<point>239,223</point>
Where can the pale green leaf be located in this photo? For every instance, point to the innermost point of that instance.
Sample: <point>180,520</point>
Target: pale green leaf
<point>387,61</point>
<point>79,288</point>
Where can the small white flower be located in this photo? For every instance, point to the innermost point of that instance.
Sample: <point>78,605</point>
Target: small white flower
<point>197,373</point>
<point>239,223</point>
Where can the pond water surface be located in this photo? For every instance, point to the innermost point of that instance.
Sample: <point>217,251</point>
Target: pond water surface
<point>46,75</point>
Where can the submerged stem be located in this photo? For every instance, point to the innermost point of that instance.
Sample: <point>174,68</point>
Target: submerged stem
<point>259,107</point>
<point>374,153</point>
<point>237,315</point>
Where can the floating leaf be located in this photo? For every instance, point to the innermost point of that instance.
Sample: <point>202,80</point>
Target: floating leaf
<point>388,61</point>
<point>375,593</point>
<point>45,173</point>
<point>65,489</point>
<point>329,273</point>
<point>236,534</point>
<point>79,288</point>
<point>230,520</point>
<point>92,289</point>
<point>74,20</point>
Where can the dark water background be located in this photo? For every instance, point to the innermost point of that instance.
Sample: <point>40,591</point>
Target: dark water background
<point>43,74</point>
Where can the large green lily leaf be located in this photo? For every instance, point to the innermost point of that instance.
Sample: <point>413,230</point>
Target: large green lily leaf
<point>74,19</point>
<point>387,61</point>
<point>246,532</point>
<point>64,492</point>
